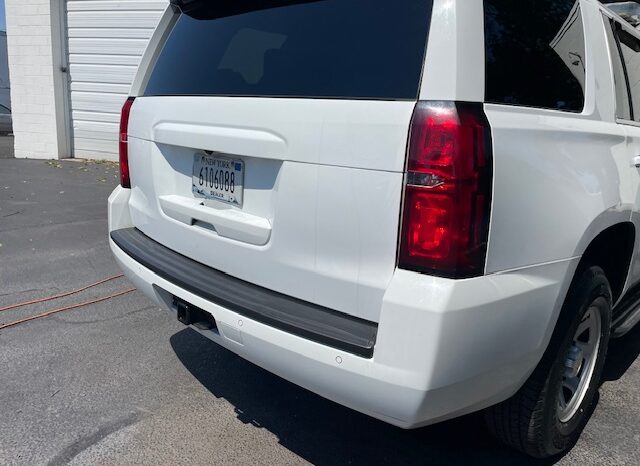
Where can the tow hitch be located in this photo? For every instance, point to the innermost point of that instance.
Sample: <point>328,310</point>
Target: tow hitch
<point>188,314</point>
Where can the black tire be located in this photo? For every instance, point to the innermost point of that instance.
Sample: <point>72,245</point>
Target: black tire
<point>529,421</point>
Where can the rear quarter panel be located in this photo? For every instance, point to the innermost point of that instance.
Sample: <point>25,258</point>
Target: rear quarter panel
<point>559,178</point>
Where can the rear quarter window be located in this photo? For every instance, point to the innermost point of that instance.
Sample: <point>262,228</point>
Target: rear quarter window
<point>623,105</point>
<point>535,53</point>
<point>327,48</point>
<point>630,48</point>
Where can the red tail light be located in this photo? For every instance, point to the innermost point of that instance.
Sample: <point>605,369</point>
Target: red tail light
<point>447,202</point>
<point>125,181</point>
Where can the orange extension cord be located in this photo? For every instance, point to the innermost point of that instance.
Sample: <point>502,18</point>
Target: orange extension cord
<point>65,308</point>
<point>61,295</point>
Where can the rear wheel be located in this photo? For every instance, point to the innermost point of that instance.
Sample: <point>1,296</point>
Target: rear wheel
<point>545,418</point>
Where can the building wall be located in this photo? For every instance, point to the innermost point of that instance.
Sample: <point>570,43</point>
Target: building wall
<point>71,63</point>
<point>31,71</point>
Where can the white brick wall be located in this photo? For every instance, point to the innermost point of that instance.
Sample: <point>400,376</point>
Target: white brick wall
<point>31,70</point>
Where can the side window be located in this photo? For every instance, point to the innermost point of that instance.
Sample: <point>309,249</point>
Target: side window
<point>535,53</point>
<point>630,47</point>
<point>623,106</point>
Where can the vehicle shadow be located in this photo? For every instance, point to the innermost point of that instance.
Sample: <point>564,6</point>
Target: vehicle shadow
<point>325,433</point>
<point>622,354</point>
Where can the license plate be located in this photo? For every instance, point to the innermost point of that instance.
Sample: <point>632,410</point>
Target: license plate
<point>218,178</point>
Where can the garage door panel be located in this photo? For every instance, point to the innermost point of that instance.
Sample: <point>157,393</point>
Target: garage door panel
<point>108,46</point>
<point>108,74</point>
<point>96,131</point>
<point>114,5</point>
<point>102,147</point>
<point>106,40</point>
<point>94,101</point>
<point>121,89</point>
<point>105,117</point>
<point>113,19</point>
<point>95,136</point>
<point>97,59</point>
<point>111,33</point>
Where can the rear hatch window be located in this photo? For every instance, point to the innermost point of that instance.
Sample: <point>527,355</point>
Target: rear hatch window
<point>347,49</point>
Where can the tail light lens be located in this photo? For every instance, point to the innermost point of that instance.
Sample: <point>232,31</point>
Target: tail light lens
<point>125,180</point>
<point>447,201</point>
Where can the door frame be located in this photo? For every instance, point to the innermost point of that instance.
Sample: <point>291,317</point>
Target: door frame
<point>61,78</point>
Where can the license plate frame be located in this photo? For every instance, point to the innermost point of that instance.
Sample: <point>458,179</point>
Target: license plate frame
<point>218,177</point>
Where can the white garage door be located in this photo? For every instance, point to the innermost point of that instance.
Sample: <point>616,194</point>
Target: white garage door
<point>106,40</point>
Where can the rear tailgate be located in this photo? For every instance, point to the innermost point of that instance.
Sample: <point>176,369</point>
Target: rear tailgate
<point>314,100</point>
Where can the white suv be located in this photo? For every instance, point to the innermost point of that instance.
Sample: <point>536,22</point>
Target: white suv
<point>418,209</point>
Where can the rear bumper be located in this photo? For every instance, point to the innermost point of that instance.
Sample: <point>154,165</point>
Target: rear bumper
<point>335,329</point>
<point>444,348</point>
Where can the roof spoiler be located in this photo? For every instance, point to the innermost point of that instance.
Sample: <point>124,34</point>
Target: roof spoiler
<point>206,9</point>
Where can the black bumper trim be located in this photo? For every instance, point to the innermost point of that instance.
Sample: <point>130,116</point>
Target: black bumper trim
<point>292,315</point>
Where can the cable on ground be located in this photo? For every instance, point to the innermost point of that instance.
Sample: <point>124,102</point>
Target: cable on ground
<point>65,308</point>
<point>61,295</point>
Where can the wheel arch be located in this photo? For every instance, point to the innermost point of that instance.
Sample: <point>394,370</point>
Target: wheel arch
<point>612,250</point>
<point>611,227</point>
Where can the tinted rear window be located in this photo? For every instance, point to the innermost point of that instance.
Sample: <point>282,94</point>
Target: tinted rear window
<point>328,48</point>
<point>535,52</point>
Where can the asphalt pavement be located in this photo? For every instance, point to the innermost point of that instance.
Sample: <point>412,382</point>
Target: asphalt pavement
<point>121,382</point>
